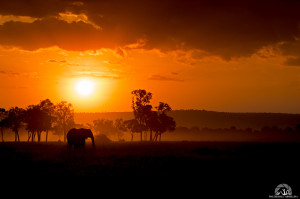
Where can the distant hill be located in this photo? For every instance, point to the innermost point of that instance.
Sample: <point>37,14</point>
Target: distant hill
<point>209,119</point>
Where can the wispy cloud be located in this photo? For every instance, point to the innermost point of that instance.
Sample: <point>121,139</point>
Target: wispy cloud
<point>96,74</point>
<point>17,74</point>
<point>165,78</point>
<point>25,19</point>
<point>292,62</point>
<point>57,61</point>
<point>71,17</point>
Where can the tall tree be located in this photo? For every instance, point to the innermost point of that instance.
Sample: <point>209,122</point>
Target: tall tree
<point>141,108</point>
<point>163,122</point>
<point>47,108</point>
<point>3,122</point>
<point>153,123</point>
<point>64,114</point>
<point>32,117</point>
<point>15,119</point>
<point>39,118</point>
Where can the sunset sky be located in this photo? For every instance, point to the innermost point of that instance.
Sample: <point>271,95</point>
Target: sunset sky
<point>235,56</point>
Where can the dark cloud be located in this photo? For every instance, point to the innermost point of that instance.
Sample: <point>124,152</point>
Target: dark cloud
<point>292,50</point>
<point>223,28</point>
<point>38,8</point>
<point>292,62</point>
<point>8,73</point>
<point>52,61</point>
<point>48,32</point>
<point>17,74</point>
<point>164,78</point>
<point>57,61</point>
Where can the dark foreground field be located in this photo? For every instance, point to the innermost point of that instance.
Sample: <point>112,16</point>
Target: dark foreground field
<point>241,166</point>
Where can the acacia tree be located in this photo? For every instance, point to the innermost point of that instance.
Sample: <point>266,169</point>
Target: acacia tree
<point>39,118</point>
<point>134,127</point>
<point>64,115</point>
<point>120,127</point>
<point>3,122</point>
<point>163,122</point>
<point>31,118</point>
<point>152,123</point>
<point>141,108</point>
<point>15,119</point>
<point>47,107</point>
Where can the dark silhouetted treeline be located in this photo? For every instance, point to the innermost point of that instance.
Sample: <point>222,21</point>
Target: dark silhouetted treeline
<point>39,118</point>
<point>147,121</point>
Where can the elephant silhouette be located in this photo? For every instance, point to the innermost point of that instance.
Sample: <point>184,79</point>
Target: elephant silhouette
<point>77,138</point>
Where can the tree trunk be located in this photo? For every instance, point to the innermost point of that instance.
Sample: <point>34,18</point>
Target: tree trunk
<point>65,135</point>
<point>17,138</point>
<point>159,137</point>
<point>145,136</point>
<point>141,136</point>
<point>2,134</point>
<point>29,136</point>
<point>155,137</point>
<point>46,135</point>
<point>150,135</point>
<point>33,136</point>
<point>39,135</point>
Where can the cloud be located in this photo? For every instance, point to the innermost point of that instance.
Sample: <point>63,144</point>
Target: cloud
<point>57,61</point>
<point>33,75</point>
<point>70,17</point>
<point>52,61</point>
<point>37,8</point>
<point>292,62</point>
<point>227,29</point>
<point>9,73</point>
<point>164,78</point>
<point>6,18</point>
<point>76,36</point>
<point>95,74</point>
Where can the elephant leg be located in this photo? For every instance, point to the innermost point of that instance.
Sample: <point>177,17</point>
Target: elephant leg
<point>69,146</point>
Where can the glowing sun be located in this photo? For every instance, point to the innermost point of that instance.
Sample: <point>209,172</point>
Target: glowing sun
<point>85,87</point>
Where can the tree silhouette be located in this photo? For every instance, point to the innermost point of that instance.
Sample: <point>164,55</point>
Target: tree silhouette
<point>153,123</point>
<point>120,127</point>
<point>47,108</point>
<point>32,116</point>
<point>141,108</point>
<point>15,119</point>
<point>134,127</point>
<point>163,122</point>
<point>3,122</point>
<point>39,118</point>
<point>104,126</point>
<point>64,115</point>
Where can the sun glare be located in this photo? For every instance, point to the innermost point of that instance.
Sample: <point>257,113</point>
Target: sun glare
<point>85,87</point>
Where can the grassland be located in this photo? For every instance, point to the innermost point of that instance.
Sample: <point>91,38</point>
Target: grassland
<point>218,163</point>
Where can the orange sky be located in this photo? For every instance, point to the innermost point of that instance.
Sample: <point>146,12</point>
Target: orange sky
<point>193,55</point>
